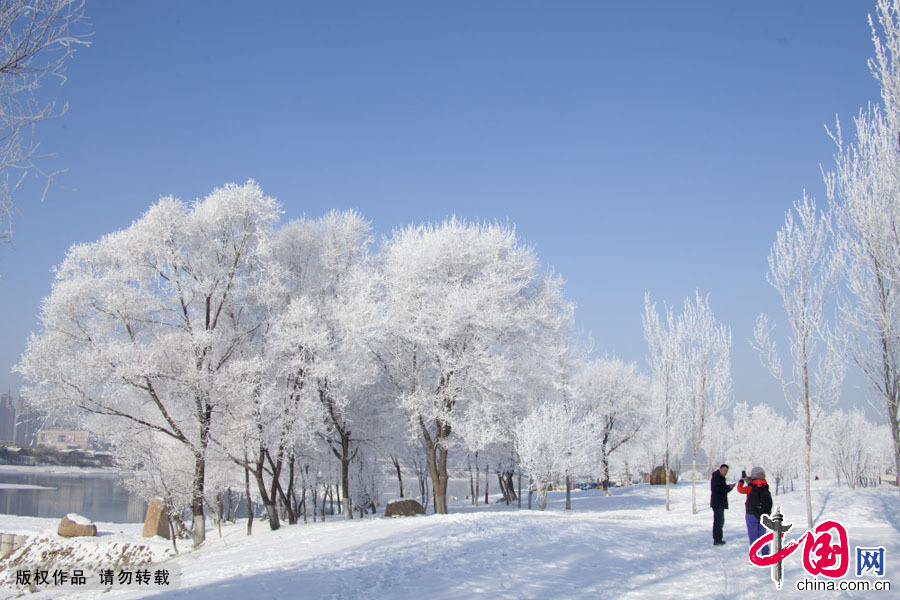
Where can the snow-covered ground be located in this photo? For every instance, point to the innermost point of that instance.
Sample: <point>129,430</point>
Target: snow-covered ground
<point>624,546</point>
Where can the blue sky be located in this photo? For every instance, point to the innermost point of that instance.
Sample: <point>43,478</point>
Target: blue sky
<point>640,146</point>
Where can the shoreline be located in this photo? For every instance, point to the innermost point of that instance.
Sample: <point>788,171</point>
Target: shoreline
<point>61,469</point>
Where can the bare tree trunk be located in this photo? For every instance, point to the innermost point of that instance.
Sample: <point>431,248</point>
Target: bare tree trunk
<point>693,483</point>
<point>172,532</point>
<point>198,526</point>
<point>568,492</point>
<point>520,486</point>
<point>892,396</point>
<point>806,409</point>
<point>544,489</point>
<point>331,496</point>
<point>437,461</point>
<point>439,480</point>
<point>396,463</point>
<point>809,478</point>
<point>477,480</point>
<point>285,502</point>
<point>220,515</point>
<point>291,494</point>
<point>247,491</point>
<point>510,485</point>
<point>345,478</point>
<point>666,457</point>
<point>487,473</point>
<point>277,491</point>
<point>315,501</point>
<point>341,449</point>
<point>472,497</point>
<point>604,459</point>
<point>303,502</point>
<point>268,499</point>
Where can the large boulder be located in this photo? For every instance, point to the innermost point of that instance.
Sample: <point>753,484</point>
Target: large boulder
<point>157,521</point>
<point>658,477</point>
<point>73,525</point>
<point>404,508</point>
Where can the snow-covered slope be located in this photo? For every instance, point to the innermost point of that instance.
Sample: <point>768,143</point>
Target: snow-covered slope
<point>624,546</point>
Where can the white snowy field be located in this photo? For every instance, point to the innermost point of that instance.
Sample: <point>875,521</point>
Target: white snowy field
<point>624,546</point>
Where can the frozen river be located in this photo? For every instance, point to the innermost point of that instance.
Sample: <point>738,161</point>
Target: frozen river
<point>47,492</point>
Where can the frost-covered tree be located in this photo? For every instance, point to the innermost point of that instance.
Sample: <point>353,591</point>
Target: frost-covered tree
<point>141,326</point>
<point>645,451</point>
<point>849,440</point>
<point>37,40</point>
<point>865,198</point>
<point>365,483</point>
<point>157,467</point>
<point>322,313</point>
<point>763,438</point>
<point>881,445</point>
<point>272,414</point>
<point>553,442</point>
<point>461,305</point>
<point>690,356</point>
<point>801,269</point>
<point>612,397</point>
<point>717,442</point>
<point>667,409</point>
<point>265,423</point>
<point>346,385</point>
<point>703,373</point>
<point>506,464</point>
<point>530,378</point>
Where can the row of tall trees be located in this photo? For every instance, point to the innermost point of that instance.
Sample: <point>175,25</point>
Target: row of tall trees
<point>209,336</point>
<point>602,406</point>
<point>848,254</point>
<point>853,449</point>
<point>690,358</point>
<point>864,194</point>
<point>209,332</point>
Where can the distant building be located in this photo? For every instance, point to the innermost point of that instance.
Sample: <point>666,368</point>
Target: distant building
<point>7,418</point>
<point>63,439</point>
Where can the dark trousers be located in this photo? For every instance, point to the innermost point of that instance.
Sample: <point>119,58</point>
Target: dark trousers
<point>718,523</point>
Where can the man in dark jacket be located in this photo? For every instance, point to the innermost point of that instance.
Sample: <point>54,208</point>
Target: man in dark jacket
<point>718,501</point>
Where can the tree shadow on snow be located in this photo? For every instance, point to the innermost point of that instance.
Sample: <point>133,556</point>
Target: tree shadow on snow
<point>890,509</point>
<point>824,497</point>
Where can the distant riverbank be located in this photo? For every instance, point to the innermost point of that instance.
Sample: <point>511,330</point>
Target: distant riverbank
<point>43,455</point>
<point>60,469</point>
